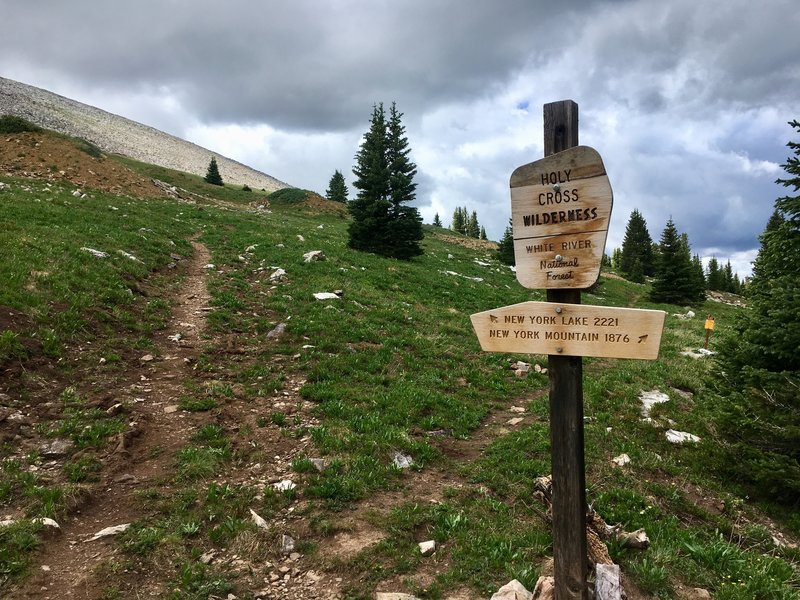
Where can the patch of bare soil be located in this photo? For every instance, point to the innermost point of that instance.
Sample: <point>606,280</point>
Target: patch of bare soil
<point>69,565</point>
<point>467,242</point>
<point>43,155</point>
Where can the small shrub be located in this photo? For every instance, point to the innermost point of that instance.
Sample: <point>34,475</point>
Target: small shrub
<point>12,124</point>
<point>289,195</point>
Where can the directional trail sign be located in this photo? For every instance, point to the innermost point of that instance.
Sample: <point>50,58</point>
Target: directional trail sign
<point>560,211</point>
<point>571,330</point>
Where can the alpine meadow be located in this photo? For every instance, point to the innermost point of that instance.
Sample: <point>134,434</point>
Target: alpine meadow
<point>220,391</point>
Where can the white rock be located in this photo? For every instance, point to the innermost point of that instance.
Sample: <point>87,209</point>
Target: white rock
<point>109,531</point>
<point>147,358</point>
<point>278,331</point>
<point>97,253</point>
<point>301,238</point>
<point>46,522</point>
<point>251,248</point>
<point>320,464</point>
<point>326,296</point>
<point>394,596</point>
<point>650,399</point>
<point>607,582</point>
<point>516,409</point>
<point>520,366</point>
<point>277,276</point>
<point>427,548</point>
<point>515,421</point>
<point>258,520</point>
<point>402,461</point>
<point>284,485</point>
<point>313,256</point>
<point>680,437</point>
<point>513,590</point>
<point>621,460</point>
<point>287,544</point>
<point>210,266</point>
<point>128,255</point>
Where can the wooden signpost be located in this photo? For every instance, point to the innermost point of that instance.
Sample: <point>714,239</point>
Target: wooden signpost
<point>561,207</point>
<point>560,211</point>
<point>570,330</point>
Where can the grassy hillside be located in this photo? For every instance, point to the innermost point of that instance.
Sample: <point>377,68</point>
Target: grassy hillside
<point>390,366</point>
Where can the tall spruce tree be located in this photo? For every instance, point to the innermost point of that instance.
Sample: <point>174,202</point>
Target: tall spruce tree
<point>714,280</point>
<point>337,189</point>
<point>473,228</point>
<point>437,222</point>
<point>212,174</point>
<point>676,280</point>
<point>459,222</point>
<point>382,222</point>
<point>760,362</point>
<point>483,233</point>
<point>505,249</point>
<point>636,260</point>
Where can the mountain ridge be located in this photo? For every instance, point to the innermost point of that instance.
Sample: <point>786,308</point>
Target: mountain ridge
<point>120,135</point>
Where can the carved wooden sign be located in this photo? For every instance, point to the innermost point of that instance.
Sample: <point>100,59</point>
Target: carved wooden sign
<point>560,211</point>
<point>571,330</point>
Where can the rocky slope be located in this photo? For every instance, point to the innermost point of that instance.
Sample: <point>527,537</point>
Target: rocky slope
<point>119,135</point>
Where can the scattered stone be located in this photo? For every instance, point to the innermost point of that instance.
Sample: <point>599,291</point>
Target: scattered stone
<point>115,409</point>
<point>540,369</point>
<point>635,539</point>
<point>208,557</point>
<point>109,531</point>
<point>56,449</point>
<point>171,409</point>
<point>621,460</point>
<point>278,276</point>
<point>47,523</point>
<point>521,373</point>
<point>314,256</point>
<point>284,485</point>
<point>46,568</point>
<point>258,520</point>
<point>513,590</point>
<point>515,421</point>
<point>300,238</point>
<point>147,358</point>
<point>427,548</point>
<point>545,589</point>
<point>128,255</point>
<point>607,582</point>
<point>402,461</point>
<point>125,478</point>
<point>278,331</point>
<point>680,437</point>
<point>95,253</point>
<point>697,354</point>
<point>320,464</point>
<point>516,409</point>
<point>210,266</point>
<point>650,399</point>
<point>394,596</point>
<point>287,544</point>
<point>520,366</point>
<point>686,395</point>
<point>326,296</point>
<point>177,337</point>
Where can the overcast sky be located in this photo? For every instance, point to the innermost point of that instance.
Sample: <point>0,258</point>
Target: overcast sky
<point>687,101</point>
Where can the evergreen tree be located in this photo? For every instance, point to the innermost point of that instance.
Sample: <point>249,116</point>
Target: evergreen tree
<point>760,362</point>
<point>483,233</point>
<point>337,189</point>
<point>402,188</point>
<point>505,250</point>
<point>727,277</point>
<point>676,279</point>
<point>212,174</point>
<point>437,222</point>
<point>459,222</point>
<point>473,229</point>
<point>637,249</point>
<point>714,280</point>
<point>699,277</point>
<point>382,223</point>
<point>616,258</point>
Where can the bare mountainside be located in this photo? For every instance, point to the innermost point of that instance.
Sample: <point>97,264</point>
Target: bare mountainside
<point>119,135</point>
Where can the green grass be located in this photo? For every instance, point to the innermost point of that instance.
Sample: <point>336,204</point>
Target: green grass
<point>391,361</point>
